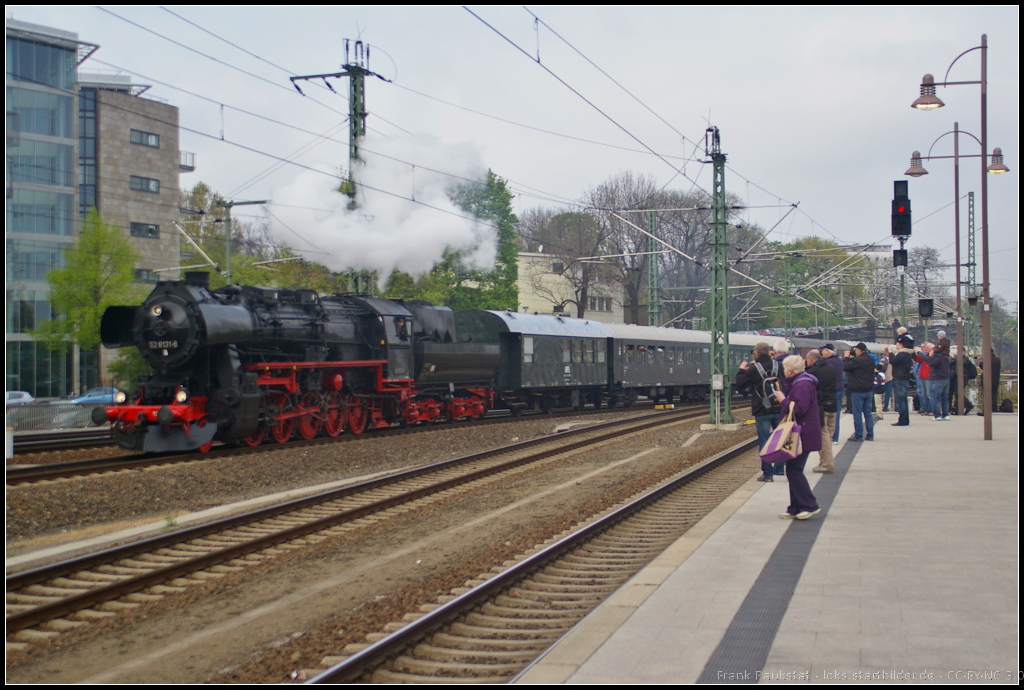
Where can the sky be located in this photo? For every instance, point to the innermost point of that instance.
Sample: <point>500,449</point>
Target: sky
<point>813,107</point>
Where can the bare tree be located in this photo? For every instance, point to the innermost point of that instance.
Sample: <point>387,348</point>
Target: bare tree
<point>924,269</point>
<point>571,240</point>
<point>617,198</point>
<point>532,225</point>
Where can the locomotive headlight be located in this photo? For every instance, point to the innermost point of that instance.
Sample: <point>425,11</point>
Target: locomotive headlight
<point>158,310</point>
<point>181,396</point>
<point>120,397</point>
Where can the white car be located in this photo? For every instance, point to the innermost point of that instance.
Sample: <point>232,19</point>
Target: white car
<point>19,398</point>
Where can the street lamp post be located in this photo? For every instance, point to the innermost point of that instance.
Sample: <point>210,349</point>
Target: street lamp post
<point>929,101</point>
<point>917,170</point>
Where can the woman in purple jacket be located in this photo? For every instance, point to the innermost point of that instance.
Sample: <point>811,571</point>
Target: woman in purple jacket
<point>803,396</point>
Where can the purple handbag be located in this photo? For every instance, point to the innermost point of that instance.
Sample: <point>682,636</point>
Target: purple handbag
<point>784,443</point>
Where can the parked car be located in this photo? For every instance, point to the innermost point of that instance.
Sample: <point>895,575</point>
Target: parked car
<point>19,398</point>
<point>104,395</point>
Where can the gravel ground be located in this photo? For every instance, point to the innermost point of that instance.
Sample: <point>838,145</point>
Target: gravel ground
<point>62,507</point>
<point>270,647</point>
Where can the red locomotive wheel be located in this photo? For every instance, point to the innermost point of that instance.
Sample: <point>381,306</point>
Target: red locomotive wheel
<point>310,422</point>
<point>337,415</point>
<point>256,438</point>
<point>357,416</point>
<point>283,430</point>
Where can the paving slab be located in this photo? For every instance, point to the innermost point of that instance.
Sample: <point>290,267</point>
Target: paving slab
<point>909,574</point>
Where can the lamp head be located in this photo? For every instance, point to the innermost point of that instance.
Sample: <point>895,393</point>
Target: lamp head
<point>997,167</point>
<point>928,100</point>
<point>916,170</point>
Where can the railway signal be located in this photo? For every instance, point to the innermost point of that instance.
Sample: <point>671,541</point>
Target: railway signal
<point>925,308</point>
<point>900,209</point>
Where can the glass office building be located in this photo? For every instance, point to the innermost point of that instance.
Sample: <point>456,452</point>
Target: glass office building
<point>41,203</point>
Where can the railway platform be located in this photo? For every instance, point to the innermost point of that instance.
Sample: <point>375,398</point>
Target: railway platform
<point>909,574</point>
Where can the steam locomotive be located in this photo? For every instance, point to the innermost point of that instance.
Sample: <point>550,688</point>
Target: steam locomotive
<point>240,364</point>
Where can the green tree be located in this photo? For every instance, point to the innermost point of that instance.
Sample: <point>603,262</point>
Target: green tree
<point>822,272</point>
<point>98,272</point>
<point>496,289</point>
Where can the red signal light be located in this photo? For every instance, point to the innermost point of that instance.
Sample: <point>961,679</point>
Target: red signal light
<point>902,209</point>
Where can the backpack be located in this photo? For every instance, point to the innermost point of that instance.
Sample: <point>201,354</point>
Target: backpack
<point>769,384</point>
<point>970,371</point>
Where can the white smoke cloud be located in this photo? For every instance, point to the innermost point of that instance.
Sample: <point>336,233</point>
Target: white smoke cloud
<point>386,232</point>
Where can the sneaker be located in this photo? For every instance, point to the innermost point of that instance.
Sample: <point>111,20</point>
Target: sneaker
<point>765,478</point>
<point>901,424</point>
<point>787,516</point>
<point>828,471</point>
<point>819,469</point>
<point>835,443</point>
<point>870,438</point>
<point>804,514</point>
<point>855,439</point>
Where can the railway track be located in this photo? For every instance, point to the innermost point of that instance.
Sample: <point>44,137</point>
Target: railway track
<point>45,442</point>
<point>27,474</point>
<point>46,601</point>
<point>499,625</point>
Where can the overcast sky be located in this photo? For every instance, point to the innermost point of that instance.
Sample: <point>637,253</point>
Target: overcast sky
<point>813,104</point>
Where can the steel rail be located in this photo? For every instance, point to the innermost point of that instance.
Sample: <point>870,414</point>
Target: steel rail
<point>353,669</point>
<point>16,474</point>
<point>90,597</point>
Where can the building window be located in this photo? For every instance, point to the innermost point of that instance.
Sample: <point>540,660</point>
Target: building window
<point>47,213</point>
<point>36,62</point>
<point>42,162</point>
<point>557,267</point>
<point>30,260</point>
<point>39,112</point>
<point>145,184</point>
<point>145,138</point>
<point>145,275</point>
<point>145,230</point>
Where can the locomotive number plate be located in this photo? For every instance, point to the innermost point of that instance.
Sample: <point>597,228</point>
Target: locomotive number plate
<point>162,344</point>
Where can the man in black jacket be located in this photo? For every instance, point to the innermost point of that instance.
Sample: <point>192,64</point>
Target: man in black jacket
<point>763,404</point>
<point>826,375</point>
<point>861,368</point>
<point>902,371</point>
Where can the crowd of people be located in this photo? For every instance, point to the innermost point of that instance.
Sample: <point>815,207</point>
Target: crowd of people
<point>811,391</point>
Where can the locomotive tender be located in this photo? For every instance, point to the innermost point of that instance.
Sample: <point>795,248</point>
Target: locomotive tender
<point>239,364</point>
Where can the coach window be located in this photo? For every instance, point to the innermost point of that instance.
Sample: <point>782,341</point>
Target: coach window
<point>580,351</point>
<point>566,350</point>
<point>600,347</point>
<point>528,349</point>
